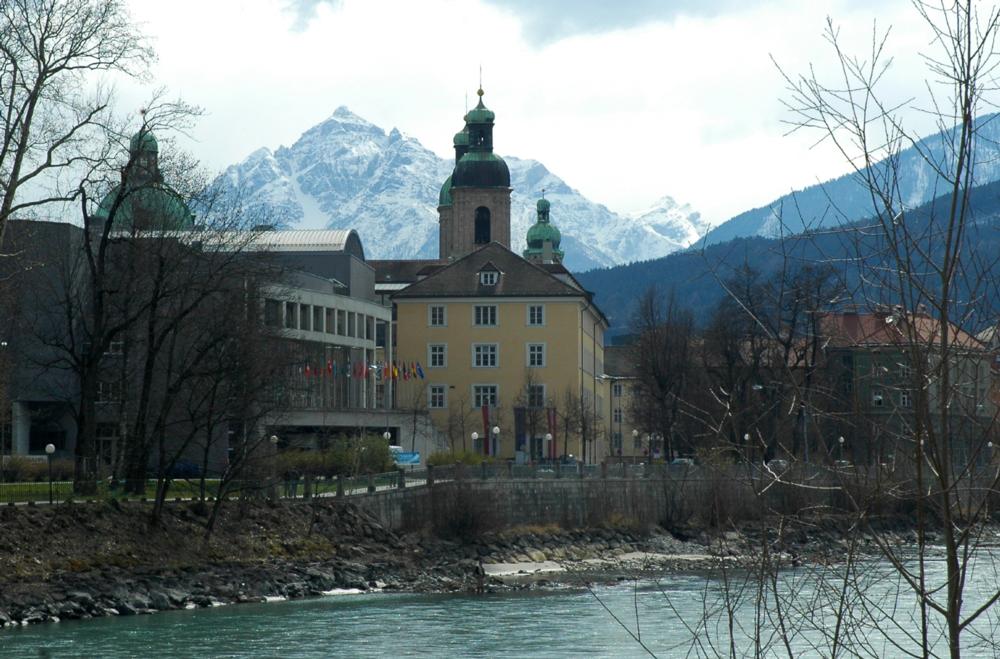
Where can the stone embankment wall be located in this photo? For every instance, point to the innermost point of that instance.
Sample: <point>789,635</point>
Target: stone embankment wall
<point>485,505</point>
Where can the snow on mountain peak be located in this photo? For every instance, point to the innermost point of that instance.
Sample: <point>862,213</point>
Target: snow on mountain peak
<point>346,172</point>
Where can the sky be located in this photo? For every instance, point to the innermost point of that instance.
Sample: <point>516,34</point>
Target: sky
<point>626,101</point>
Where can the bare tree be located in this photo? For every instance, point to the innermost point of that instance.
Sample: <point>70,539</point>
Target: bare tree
<point>49,51</point>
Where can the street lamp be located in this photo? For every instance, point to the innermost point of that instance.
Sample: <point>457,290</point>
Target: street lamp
<point>496,440</point>
<point>840,440</point>
<point>548,446</point>
<point>475,438</point>
<point>49,450</point>
<point>274,466</point>
<point>387,435</point>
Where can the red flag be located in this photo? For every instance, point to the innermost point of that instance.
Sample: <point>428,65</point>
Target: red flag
<point>307,370</point>
<point>329,367</point>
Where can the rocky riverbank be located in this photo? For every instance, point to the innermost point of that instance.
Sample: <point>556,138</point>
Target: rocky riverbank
<point>83,561</point>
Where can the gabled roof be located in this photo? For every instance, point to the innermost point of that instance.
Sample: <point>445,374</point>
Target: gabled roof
<point>404,271</point>
<point>519,278</point>
<point>895,328</point>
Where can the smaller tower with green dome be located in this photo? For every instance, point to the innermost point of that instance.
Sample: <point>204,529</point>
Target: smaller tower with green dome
<point>543,238</point>
<point>142,201</point>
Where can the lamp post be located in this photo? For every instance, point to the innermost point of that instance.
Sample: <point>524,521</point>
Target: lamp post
<point>840,440</point>
<point>274,466</point>
<point>49,450</point>
<point>635,436</point>
<point>475,438</point>
<point>548,445</point>
<point>496,441</point>
<point>387,435</point>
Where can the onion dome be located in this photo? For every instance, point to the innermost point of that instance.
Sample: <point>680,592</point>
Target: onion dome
<point>480,114</point>
<point>461,138</point>
<point>444,197</point>
<point>479,169</point>
<point>143,142</point>
<point>142,201</point>
<point>542,232</point>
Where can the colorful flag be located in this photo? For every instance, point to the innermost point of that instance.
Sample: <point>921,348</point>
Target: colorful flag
<point>307,370</point>
<point>329,367</point>
<point>395,371</point>
<point>413,370</point>
<point>420,371</point>
<point>347,369</point>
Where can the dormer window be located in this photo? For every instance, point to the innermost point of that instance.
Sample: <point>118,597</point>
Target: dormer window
<point>489,277</point>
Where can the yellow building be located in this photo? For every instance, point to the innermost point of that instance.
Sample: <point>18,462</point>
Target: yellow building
<point>510,349</point>
<point>505,343</point>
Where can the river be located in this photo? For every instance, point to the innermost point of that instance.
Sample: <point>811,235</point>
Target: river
<point>678,615</point>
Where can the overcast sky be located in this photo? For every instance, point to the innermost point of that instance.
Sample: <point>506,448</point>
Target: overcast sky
<point>627,101</point>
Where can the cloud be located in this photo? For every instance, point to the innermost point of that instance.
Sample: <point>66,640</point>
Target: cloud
<point>305,11</point>
<point>546,21</point>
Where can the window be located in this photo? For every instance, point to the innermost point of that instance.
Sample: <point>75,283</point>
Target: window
<point>484,394</point>
<point>616,390</point>
<point>109,392</point>
<point>877,398</point>
<point>305,317</point>
<point>637,442</point>
<point>905,371</point>
<point>482,225</point>
<point>437,316</point>
<point>352,329</point>
<point>437,355</point>
<point>331,321</point>
<point>616,441</point>
<point>536,395</point>
<point>484,355</point>
<point>272,313</point>
<point>616,415</point>
<point>536,354</point>
<point>341,322</point>
<point>536,315</point>
<point>436,397</point>
<point>291,315</point>
<point>115,348</point>
<point>317,319</point>
<point>904,399</point>
<point>488,278</point>
<point>485,315</point>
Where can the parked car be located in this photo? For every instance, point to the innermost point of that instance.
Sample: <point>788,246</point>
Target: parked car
<point>686,462</point>
<point>842,464</point>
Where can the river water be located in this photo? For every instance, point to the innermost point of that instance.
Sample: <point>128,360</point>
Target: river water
<point>677,615</point>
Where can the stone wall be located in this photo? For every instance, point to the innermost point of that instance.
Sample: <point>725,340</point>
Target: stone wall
<point>481,505</point>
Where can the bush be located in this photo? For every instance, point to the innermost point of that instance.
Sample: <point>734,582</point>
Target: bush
<point>445,458</point>
<point>22,469</point>
<point>344,456</point>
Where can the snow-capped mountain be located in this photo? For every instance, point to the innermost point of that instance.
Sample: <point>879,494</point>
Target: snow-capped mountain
<point>845,199</point>
<point>348,173</point>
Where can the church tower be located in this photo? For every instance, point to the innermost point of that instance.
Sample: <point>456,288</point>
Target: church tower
<point>474,204</point>
<point>543,238</point>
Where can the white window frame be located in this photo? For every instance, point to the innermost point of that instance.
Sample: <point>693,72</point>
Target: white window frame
<point>878,398</point>
<point>437,389</point>
<point>495,314</point>
<point>430,315</point>
<point>527,352</point>
<point>528,396</point>
<point>489,277</point>
<point>905,399</point>
<point>528,320</point>
<point>617,389</point>
<point>477,352</point>
<point>477,404</point>
<point>444,355</point>
<point>616,415</point>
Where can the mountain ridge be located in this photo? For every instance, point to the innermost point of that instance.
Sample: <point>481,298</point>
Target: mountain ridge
<point>347,172</point>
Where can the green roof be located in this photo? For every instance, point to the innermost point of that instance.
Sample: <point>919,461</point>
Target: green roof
<point>481,169</point>
<point>480,114</point>
<point>461,138</point>
<point>444,198</point>
<point>143,141</point>
<point>151,207</point>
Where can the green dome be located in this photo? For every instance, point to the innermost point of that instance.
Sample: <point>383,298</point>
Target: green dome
<point>481,169</point>
<point>542,205</point>
<point>151,207</point>
<point>480,114</point>
<point>461,138</point>
<point>143,141</point>
<point>539,233</point>
<point>444,198</point>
